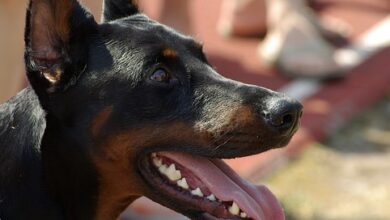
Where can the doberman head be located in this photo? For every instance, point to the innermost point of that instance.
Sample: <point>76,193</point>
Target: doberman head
<point>133,108</point>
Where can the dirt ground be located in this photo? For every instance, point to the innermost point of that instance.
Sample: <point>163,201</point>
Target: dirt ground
<point>346,177</point>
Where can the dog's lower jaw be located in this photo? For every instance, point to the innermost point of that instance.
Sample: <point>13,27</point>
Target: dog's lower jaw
<point>196,186</point>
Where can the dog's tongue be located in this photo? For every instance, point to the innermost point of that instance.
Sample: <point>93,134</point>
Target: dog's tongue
<point>257,201</point>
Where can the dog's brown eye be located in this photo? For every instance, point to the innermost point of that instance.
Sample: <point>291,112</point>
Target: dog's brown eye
<point>160,75</point>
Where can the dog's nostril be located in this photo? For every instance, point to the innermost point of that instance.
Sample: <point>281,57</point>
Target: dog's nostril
<point>283,120</point>
<point>284,114</point>
<point>287,119</point>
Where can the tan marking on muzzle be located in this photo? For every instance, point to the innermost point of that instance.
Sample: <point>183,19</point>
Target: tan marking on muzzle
<point>115,159</point>
<point>235,118</point>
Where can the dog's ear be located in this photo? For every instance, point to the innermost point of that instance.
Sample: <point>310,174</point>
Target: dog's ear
<point>115,9</point>
<point>56,43</point>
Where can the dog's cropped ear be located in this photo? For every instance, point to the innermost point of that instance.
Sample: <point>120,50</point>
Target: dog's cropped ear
<point>56,43</point>
<point>115,9</point>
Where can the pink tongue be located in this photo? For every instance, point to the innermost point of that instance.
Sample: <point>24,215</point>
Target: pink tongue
<point>257,201</point>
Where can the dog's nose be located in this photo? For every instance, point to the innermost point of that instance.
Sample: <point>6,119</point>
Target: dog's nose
<point>283,114</point>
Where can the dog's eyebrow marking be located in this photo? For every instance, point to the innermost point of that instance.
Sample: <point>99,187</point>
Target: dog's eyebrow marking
<point>169,53</point>
<point>99,120</point>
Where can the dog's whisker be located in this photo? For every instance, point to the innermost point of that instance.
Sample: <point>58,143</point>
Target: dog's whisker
<point>222,144</point>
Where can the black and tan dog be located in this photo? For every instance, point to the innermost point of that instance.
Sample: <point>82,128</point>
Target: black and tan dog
<point>127,108</point>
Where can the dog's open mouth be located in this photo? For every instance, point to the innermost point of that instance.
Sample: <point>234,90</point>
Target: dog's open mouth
<point>208,188</point>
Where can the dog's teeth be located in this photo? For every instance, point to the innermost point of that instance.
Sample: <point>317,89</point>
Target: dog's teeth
<point>197,192</point>
<point>172,173</point>
<point>243,215</point>
<point>183,183</point>
<point>157,162</point>
<point>163,169</point>
<point>211,197</point>
<point>234,209</point>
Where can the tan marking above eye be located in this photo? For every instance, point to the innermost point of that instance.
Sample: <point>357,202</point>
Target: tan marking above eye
<point>169,53</point>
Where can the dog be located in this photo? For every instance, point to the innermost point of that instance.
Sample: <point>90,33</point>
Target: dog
<point>127,108</point>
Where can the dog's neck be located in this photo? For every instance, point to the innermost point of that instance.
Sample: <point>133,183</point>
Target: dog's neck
<point>43,174</point>
<point>68,171</point>
<point>22,189</point>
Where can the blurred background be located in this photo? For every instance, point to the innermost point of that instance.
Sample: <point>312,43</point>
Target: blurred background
<point>332,55</point>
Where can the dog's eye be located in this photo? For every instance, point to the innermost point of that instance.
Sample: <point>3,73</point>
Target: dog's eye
<point>160,75</point>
